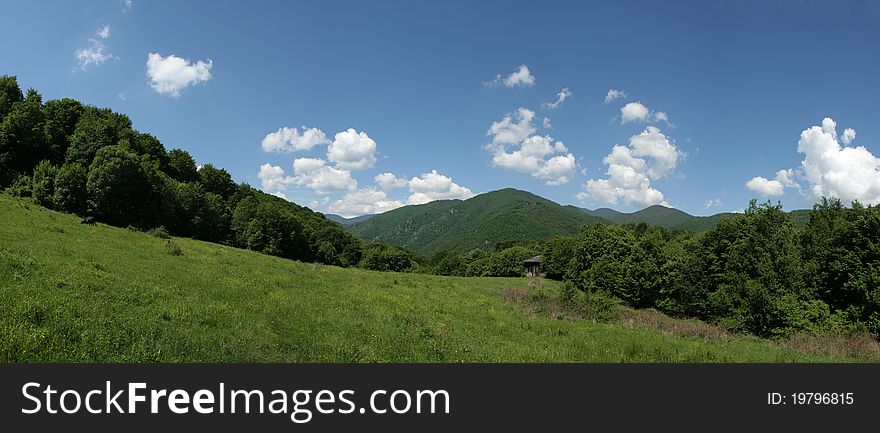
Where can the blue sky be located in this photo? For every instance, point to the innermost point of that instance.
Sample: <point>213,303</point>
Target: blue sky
<point>722,95</point>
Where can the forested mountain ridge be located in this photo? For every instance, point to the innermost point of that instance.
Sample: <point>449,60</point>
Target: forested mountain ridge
<point>480,222</point>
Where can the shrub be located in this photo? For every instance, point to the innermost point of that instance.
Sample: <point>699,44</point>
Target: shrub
<point>159,232</point>
<point>173,248</point>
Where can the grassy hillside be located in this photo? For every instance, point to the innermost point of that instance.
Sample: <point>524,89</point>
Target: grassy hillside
<point>72,292</point>
<point>670,218</point>
<point>479,222</point>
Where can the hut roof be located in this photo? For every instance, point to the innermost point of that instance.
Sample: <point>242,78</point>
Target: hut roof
<point>536,259</point>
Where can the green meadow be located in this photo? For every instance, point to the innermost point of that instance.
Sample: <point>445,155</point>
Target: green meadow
<point>71,292</point>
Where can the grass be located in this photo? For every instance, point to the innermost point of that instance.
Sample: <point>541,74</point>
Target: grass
<point>70,292</point>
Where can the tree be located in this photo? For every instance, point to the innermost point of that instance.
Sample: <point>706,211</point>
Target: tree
<point>70,189</point>
<point>148,146</point>
<point>43,184</point>
<point>61,115</point>
<point>182,166</point>
<point>97,128</point>
<point>22,139</point>
<point>262,225</point>
<point>117,187</point>
<point>10,93</point>
<point>217,181</point>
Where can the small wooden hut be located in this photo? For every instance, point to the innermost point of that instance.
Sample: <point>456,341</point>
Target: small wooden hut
<point>532,266</point>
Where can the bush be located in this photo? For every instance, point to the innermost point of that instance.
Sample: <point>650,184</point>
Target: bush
<point>43,184</point>
<point>173,248</point>
<point>159,232</point>
<point>598,306</point>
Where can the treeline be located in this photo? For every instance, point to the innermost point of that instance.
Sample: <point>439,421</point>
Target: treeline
<point>86,160</point>
<point>756,272</point>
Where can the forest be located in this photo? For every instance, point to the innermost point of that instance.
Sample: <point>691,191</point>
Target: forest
<point>755,272</point>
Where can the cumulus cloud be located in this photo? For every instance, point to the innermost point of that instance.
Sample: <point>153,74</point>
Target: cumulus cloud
<point>435,186</point>
<point>519,78</point>
<point>289,140</point>
<point>352,150</point>
<point>514,147</point>
<point>830,166</point>
<point>847,173</point>
<point>363,202</point>
<point>273,180</point>
<point>764,186</point>
<point>638,112</point>
<point>388,181</point>
<point>546,123</point>
<point>560,98</point>
<point>169,75</point>
<point>314,173</point>
<point>614,94</point>
<point>96,53</point>
<point>649,155</point>
<point>849,135</point>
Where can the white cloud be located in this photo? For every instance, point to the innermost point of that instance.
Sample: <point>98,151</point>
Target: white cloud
<point>847,173</point>
<point>520,77</point>
<point>273,180</point>
<point>830,166</point>
<point>765,186</point>
<point>127,5</point>
<point>649,155</point>
<point>352,150</point>
<point>435,186</point>
<point>614,94</point>
<point>104,32</point>
<point>96,53</point>
<point>546,123</point>
<point>636,111</point>
<point>169,75</point>
<point>513,147</point>
<point>713,202</point>
<point>849,135</point>
<point>508,131</point>
<point>289,140</point>
<point>560,98</point>
<point>387,181</point>
<point>314,173</point>
<point>363,202</point>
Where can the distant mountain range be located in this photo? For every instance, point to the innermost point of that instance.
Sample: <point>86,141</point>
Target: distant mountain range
<point>507,215</point>
<point>346,221</point>
<point>658,215</point>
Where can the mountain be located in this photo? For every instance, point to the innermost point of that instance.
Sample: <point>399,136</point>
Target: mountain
<point>478,222</point>
<point>346,221</point>
<point>660,216</point>
<point>675,219</point>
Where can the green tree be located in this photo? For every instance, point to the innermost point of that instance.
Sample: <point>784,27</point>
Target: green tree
<point>10,93</point>
<point>22,139</point>
<point>43,184</point>
<point>217,181</point>
<point>70,189</point>
<point>117,187</point>
<point>97,128</point>
<point>182,166</point>
<point>61,115</point>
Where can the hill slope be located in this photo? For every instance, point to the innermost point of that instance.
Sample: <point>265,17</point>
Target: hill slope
<point>658,215</point>
<point>346,221</point>
<point>676,219</point>
<point>76,293</point>
<point>478,222</point>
